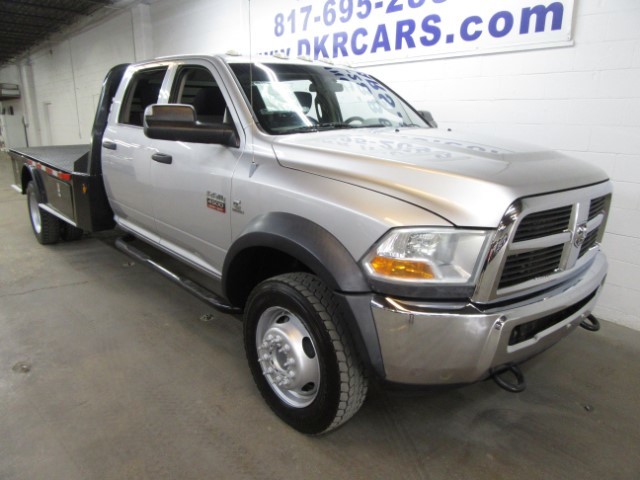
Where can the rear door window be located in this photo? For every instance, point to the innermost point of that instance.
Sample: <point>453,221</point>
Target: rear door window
<point>143,90</point>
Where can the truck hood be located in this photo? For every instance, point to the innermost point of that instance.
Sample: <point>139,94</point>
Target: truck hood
<point>468,180</point>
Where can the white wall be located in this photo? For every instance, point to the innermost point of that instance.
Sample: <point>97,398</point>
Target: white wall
<point>68,75</point>
<point>583,100</point>
<point>198,26</point>
<point>9,74</point>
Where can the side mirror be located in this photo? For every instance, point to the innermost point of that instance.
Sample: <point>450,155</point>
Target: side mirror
<point>178,122</point>
<point>427,117</point>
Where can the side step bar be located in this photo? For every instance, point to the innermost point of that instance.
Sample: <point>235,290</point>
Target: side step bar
<point>192,287</point>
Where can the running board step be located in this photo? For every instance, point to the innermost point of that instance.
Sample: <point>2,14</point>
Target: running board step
<point>207,296</point>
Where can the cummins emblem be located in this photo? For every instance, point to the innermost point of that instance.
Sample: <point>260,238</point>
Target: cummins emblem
<point>580,235</point>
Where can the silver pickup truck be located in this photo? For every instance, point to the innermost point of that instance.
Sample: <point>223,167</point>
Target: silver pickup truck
<point>359,241</point>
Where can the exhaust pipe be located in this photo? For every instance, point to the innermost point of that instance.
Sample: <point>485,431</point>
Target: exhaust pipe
<point>497,375</point>
<point>590,323</point>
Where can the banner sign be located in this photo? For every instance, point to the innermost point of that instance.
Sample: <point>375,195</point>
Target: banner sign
<point>365,32</point>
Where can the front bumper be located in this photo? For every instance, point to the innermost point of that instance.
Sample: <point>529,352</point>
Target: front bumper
<point>432,344</point>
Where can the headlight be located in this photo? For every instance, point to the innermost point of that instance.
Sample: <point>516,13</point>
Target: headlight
<point>421,255</point>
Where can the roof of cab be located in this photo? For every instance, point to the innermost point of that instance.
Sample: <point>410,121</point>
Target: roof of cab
<point>234,57</point>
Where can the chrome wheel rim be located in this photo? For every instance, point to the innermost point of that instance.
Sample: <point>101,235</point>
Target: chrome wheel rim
<point>34,211</point>
<point>288,357</point>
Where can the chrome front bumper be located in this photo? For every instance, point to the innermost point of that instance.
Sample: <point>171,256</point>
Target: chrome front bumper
<point>431,344</point>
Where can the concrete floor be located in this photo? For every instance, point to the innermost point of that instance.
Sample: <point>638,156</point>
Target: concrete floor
<point>109,371</point>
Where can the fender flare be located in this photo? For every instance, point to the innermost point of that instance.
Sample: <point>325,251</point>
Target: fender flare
<point>36,177</point>
<point>325,256</point>
<point>307,242</point>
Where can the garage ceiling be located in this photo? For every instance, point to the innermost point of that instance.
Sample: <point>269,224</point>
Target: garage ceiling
<point>26,23</point>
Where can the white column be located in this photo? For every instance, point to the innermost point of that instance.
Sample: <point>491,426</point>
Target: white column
<point>142,33</point>
<point>30,103</point>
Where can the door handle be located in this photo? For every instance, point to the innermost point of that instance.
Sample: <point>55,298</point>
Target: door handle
<point>109,145</point>
<point>162,158</point>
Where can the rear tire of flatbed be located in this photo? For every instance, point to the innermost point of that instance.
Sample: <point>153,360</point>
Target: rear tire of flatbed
<point>46,227</point>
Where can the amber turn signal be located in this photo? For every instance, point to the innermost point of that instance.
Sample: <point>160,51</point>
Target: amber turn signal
<point>400,268</point>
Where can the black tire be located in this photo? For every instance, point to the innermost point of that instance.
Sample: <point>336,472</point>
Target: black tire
<point>70,233</point>
<point>295,316</point>
<point>46,227</point>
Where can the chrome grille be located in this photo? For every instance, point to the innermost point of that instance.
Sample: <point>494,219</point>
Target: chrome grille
<point>535,264</point>
<point>589,241</point>
<point>543,224</point>
<point>596,206</point>
<point>542,241</point>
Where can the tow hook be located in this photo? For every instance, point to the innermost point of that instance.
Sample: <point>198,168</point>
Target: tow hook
<point>497,376</point>
<point>590,323</point>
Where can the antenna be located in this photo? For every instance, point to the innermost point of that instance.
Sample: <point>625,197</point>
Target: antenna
<point>254,165</point>
<point>250,34</point>
<point>250,58</point>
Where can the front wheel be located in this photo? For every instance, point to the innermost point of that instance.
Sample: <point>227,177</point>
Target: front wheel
<point>300,353</point>
<point>46,227</point>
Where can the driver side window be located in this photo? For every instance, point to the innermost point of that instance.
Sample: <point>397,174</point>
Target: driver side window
<point>196,86</point>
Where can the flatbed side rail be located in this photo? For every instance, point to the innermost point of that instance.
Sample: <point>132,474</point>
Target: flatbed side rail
<point>64,176</point>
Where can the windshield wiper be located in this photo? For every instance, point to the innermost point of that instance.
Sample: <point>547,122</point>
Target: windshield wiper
<point>329,126</point>
<point>336,125</point>
<point>304,129</point>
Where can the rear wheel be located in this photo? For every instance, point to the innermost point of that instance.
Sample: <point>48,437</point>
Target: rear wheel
<point>300,353</point>
<point>46,227</point>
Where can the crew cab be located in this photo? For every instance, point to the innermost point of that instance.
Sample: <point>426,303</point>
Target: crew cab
<point>357,240</point>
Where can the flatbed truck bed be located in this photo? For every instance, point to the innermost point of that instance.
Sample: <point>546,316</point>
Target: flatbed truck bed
<point>65,187</point>
<point>67,180</point>
<point>64,158</point>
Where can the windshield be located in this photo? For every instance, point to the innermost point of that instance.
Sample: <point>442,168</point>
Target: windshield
<point>302,98</point>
